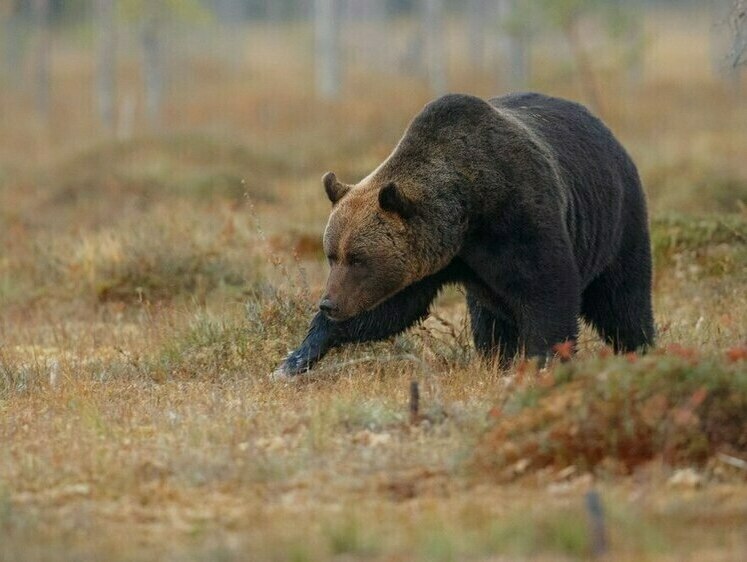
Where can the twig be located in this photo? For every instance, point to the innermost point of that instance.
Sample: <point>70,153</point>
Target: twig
<point>596,524</point>
<point>732,461</point>
<point>414,403</point>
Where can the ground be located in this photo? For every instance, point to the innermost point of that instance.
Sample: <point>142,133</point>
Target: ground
<point>148,287</point>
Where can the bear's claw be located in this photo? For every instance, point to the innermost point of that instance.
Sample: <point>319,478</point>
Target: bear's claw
<point>293,365</point>
<point>281,374</point>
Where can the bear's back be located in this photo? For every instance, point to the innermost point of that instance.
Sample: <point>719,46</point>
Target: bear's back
<point>573,132</point>
<point>600,178</point>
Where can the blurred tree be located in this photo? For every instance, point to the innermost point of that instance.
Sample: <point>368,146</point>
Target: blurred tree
<point>517,23</point>
<point>12,25</point>
<point>152,16</point>
<point>401,6</point>
<point>432,13</point>
<point>738,25</point>
<point>730,49</point>
<point>327,48</point>
<point>625,21</point>
<point>371,16</point>
<point>476,30</point>
<point>42,58</point>
<point>69,11</point>
<point>231,11</point>
<point>105,82</point>
<point>153,64</point>
<point>566,15</point>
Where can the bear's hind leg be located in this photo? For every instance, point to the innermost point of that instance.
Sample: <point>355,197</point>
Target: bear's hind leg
<point>495,335</point>
<point>618,303</point>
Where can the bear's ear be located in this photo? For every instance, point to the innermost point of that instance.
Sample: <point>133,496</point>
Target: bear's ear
<point>335,190</point>
<point>392,199</point>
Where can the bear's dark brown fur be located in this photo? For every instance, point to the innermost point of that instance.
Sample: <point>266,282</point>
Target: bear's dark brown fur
<point>527,200</point>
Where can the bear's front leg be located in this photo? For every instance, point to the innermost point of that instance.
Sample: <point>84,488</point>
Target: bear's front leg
<point>389,318</point>
<point>548,308</point>
<point>318,341</point>
<point>540,285</point>
<point>547,326</point>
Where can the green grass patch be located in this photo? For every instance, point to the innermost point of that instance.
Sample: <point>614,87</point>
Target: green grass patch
<point>349,537</point>
<point>713,244</point>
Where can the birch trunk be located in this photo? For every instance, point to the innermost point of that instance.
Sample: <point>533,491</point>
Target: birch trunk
<point>327,48</point>
<point>105,85</point>
<point>153,68</point>
<point>476,31</point>
<point>434,45</point>
<point>12,26</point>
<point>42,63</point>
<point>519,48</point>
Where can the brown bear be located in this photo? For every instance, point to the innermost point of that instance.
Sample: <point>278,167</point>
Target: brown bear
<point>526,200</point>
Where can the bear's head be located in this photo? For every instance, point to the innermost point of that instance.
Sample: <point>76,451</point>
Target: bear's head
<point>379,239</point>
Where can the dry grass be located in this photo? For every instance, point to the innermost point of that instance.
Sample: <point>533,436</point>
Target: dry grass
<point>147,288</point>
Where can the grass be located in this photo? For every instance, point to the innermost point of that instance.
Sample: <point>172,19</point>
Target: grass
<point>717,244</point>
<point>149,286</point>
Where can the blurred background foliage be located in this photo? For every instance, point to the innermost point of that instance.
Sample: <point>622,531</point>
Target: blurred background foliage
<point>332,80</point>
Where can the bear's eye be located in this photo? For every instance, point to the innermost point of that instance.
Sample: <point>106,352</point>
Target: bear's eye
<point>355,261</point>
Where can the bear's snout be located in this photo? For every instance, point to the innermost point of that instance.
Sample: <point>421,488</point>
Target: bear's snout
<point>328,307</point>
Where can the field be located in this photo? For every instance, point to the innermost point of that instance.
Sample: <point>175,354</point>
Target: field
<point>149,286</point>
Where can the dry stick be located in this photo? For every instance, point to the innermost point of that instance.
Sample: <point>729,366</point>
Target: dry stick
<point>414,402</point>
<point>732,461</point>
<point>596,524</point>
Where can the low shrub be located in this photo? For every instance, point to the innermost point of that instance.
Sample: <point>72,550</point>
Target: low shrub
<point>627,410</point>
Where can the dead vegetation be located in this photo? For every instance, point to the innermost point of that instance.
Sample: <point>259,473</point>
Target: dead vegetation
<point>148,287</point>
<point>620,413</point>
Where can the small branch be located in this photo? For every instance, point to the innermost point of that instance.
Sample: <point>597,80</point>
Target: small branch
<point>414,403</point>
<point>732,461</point>
<point>597,528</point>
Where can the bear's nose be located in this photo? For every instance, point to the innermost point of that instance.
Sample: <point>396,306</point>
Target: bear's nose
<point>327,307</point>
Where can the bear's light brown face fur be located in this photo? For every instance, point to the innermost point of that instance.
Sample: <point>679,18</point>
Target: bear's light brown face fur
<point>369,251</point>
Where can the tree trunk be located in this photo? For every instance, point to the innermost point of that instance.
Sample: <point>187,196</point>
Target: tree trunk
<point>327,48</point>
<point>518,46</point>
<point>42,63</point>
<point>717,41</point>
<point>153,68</point>
<point>274,11</point>
<point>738,50</point>
<point>371,17</point>
<point>636,66</point>
<point>434,45</point>
<point>230,11</point>
<point>106,61</point>
<point>12,27</point>
<point>476,30</point>
<point>584,67</point>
